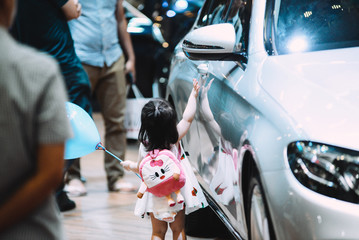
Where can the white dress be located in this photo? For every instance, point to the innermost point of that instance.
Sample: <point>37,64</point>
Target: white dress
<point>193,195</point>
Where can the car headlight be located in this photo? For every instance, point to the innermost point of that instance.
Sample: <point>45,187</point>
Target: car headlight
<point>328,170</point>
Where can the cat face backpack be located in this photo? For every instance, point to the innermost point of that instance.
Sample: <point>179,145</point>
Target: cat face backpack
<point>162,174</point>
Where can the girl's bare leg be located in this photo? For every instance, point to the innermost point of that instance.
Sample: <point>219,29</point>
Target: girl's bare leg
<point>159,228</point>
<point>177,226</point>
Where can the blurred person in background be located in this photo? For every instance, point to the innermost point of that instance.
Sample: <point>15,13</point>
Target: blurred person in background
<point>43,25</point>
<point>34,128</point>
<point>105,49</point>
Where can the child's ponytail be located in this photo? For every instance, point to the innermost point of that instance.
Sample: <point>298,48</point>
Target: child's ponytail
<point>158,125</point>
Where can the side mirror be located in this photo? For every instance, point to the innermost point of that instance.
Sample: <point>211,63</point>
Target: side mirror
<point>214,42</point>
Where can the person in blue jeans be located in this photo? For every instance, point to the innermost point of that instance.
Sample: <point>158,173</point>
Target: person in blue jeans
<point>43,24</point>
<point>105,49</point>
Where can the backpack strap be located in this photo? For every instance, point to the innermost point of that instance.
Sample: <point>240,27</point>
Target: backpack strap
<point>148,156</point>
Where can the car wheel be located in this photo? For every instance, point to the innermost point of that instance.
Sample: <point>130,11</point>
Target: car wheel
<point>258,220</point>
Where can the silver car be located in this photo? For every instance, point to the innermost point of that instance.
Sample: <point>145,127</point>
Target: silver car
<point>275,140</point>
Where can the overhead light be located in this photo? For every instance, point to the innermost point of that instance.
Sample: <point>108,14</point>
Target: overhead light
<point>308,14</point>
<point>171,13</point>
<point>298,44</point>
<point>337,6</point>
<point>165,4</point>
<point>135,29</point>
<point>181,5</point>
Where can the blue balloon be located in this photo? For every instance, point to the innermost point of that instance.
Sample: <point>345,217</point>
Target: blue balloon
<point>85,134</point>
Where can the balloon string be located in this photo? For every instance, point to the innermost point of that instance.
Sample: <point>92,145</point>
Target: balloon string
<point>99,146</point>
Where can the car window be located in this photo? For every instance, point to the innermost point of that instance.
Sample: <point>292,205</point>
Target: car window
<point>311,25</point>
<point>208,11</point>
<point>236,12</point>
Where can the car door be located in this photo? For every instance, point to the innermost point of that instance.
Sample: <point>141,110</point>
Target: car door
<point>222,111</point>
<point>185,70</point>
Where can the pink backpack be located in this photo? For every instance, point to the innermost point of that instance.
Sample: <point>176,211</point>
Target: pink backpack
<point>157,170</point>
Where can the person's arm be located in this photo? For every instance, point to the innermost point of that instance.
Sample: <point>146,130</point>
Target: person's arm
<point>34,191</point>
<point>189,113</point>
<point>71,9</point>
<point>125,40</point>
<point>130,166</point>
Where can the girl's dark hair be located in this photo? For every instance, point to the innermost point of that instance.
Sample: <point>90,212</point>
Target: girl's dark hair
<point>158,125</point>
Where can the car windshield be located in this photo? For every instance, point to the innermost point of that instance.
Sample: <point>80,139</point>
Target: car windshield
<point>313,25</point>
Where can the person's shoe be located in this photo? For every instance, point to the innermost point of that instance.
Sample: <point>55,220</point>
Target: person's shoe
<point>180,198</point>
<point>122,186</point>
<point>75,188</point>
<point>64,203</point>
<point>171,202</point>
<point>83,179</point>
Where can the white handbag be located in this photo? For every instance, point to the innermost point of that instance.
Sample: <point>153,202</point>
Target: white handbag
<point>133,112</point>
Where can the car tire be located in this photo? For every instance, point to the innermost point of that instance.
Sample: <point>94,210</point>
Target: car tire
<point>259,223</point>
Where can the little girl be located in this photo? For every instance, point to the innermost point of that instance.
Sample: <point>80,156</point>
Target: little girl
<point>159,130</point>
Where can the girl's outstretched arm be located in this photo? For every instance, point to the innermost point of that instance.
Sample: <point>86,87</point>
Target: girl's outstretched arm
<point>189,113</point>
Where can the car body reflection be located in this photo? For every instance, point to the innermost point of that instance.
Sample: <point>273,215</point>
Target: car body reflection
<point>274,141</point>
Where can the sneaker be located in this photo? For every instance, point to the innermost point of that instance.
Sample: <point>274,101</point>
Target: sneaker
<point>122,186</point>
<point>64,203</point>
<point>75,188</point>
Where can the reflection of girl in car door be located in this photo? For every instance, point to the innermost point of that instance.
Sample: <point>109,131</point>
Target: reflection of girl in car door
<point>224,183</point>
